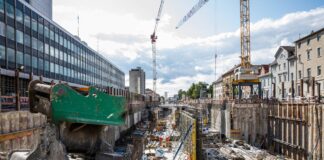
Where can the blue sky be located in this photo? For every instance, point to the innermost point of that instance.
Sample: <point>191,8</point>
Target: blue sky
<point>123,27</point>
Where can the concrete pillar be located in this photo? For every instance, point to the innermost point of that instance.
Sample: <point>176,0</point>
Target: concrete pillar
<point>274,90</point>
<point>240,91</point>
<point>319,91</point>
<point>313,86</point>
<point>233,89</point>
<point>292,89</point>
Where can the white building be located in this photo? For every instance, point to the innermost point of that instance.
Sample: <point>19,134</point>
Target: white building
<point>283,71</point>
<point>265,79</point>
<point>218,89</point>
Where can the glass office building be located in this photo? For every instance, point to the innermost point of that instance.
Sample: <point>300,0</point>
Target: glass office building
<point>45,49</point>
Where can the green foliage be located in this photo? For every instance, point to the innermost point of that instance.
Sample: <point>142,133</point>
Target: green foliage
<point>195,90</point>
<point>181,93</point>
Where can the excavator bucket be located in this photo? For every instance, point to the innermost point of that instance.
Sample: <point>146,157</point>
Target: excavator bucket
<point>95,108</point>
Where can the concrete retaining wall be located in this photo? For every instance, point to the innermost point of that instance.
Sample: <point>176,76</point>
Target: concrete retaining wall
<point>292,129</point>
<point>19,130</point>
<point>250,121</point>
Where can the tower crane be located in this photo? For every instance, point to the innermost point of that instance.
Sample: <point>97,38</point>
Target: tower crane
<point>153,41</point>
<point>244,75</point>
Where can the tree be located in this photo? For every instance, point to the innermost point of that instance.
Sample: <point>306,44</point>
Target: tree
<point>210,90</point>
<point>181,93</point>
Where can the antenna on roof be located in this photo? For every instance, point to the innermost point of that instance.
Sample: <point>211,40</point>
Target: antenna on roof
<point>215,65</point>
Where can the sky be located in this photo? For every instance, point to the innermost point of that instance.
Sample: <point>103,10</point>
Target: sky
<point>120,31</point>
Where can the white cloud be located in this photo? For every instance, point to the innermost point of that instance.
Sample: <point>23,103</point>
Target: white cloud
<point>125,40</point>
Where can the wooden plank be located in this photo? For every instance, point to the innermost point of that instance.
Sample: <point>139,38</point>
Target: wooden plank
<point>15,135</point>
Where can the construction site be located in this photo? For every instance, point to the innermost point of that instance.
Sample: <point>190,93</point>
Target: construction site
<point>60,99</point>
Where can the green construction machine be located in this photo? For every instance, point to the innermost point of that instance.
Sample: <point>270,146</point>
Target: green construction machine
<point>62,103</point>
<point>79,121</point>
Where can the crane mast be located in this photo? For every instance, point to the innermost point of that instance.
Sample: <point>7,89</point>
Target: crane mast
<point>245,34</point>
<point>153,41</point>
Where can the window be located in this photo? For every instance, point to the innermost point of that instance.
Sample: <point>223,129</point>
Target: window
<point>284,66</point>
<point>299,74</point>
<point>27,60</point>
<point>40,46</point>
<point>2,52</point>
<point>20,58</point>
<point>34,62</point>
<point>2,29</point>
<point>292,76</point>
<point>46,48</point>
<point>285,78</point>
<point>52,51</point>
<point>11,55</point>
<point>40,64</point>
<point>299,45</point>
<point>318,37</point>
<point>56,37</point>
<point>19,37</point>
<point>19,16</point>
<point>52,68</point>
<point>47,67</point>
<point>56,69</point>
<point>308,55</point>
<point>319,52</point>
<point>10,10</point>
<point>309,72</point>
<point>279,78</point>
<point>1,6</point>
<point>34,43</point>
<point>308,41</point>
<point>56,53</point>
<point>27,40</point>
<point>40,28</point>
<point>10,33</point>
<point>61,55</point>
<point>46,32</point>
<point>27,20</point>
<point>34,25</point>
<point>52,35</point>
<point>319,70</point>
<point>299,58</point>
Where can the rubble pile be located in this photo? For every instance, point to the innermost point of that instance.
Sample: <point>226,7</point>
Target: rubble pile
<point>237,150</point>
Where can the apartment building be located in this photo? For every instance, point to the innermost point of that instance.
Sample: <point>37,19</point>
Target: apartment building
<point>283,71</point>
<point>218,89</point>
<point>228,79</point>
<point>265,79</point>
<point>309,51</point>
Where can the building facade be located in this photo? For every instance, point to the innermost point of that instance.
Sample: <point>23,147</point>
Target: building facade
<point>228,79</point>
<point>310,55</point>
<point>283,71</point>
<point>265,79</point>
<point>137,80</point>
<point>218,89</point>
<point>30,39</point>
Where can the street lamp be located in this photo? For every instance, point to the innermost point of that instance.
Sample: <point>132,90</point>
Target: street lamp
<point>19,69</point>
